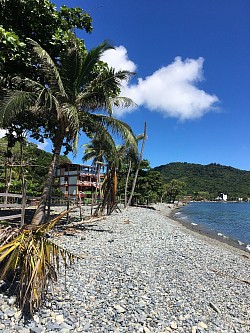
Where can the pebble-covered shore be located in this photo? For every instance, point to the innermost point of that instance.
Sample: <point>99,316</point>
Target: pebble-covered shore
<point>143,272</point>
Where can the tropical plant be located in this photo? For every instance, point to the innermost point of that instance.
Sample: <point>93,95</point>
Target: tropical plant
<point>174,188</point>
<point>128,203</point>
<point>63,105</point>
<point>40,20</point>
<point>32,259</point>
<point>103,149</point>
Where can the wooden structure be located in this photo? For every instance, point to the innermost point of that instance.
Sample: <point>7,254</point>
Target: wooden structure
<point>11,203</point>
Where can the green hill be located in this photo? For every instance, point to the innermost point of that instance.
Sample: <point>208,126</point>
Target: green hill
<point>212,178</point>
<point>37,163</point>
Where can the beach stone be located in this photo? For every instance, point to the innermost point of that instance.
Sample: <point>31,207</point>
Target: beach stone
<point>59,319</point>
<point>150,277</point>
<point>12,300</point>
<point>173,325</point>
<point>2,326</point>
<point>202,325</point>
<point>146,329</point>
<point>119,309</point>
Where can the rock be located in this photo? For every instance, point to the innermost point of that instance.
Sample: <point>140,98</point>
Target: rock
<point>9,313</point>
<point>2,326</point>
<point>194,329</point>
<point>59,319</point>
<point>36,318</point>
<point>119,308</point>
<point>202,325</point>
<point>12,300</point>
<point>173,325</point>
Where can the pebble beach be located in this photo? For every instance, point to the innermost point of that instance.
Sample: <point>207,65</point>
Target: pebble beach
<point>141,271</point>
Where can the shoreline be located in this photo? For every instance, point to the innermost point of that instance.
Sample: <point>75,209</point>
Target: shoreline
<point>202,230</point>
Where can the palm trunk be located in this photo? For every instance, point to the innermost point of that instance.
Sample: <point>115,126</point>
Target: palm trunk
<point>8,179</point>
<point>23,185</point>
<point>138,167</point>
<point>39,216</point>
<point>126,184</point>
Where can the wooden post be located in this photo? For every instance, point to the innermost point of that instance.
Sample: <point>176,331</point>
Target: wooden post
<point>23,204</point>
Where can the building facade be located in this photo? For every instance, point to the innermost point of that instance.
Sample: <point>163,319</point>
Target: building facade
<point>78,181</point>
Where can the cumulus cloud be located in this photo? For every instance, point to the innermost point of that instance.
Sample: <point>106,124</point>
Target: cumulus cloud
<point>172,90</point>
<point>118,59</point>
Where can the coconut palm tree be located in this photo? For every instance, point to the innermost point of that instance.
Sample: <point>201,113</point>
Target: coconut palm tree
<point>102,148</point>
<point>63,100</point>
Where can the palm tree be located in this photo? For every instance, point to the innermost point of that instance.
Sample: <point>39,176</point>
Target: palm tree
<point>62,102</point>
<point>103,148</point>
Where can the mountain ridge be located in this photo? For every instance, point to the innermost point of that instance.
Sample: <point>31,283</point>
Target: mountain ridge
<point>212,178</point>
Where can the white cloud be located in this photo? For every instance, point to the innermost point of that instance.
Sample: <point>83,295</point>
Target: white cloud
<point>118,59</point>
<point>2,133</point>
<point>171,90</point>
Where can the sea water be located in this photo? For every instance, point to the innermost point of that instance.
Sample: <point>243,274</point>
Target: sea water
<point>227,219</point>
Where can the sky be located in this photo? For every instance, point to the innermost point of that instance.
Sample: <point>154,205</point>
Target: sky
<point>192,81</point>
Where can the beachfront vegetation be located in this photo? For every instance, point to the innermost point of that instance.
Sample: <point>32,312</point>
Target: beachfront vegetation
<point>63,104</point>
<point>36,164</point>
<point>149,186</point>
<point>51,87</point>
<point>204,182</point>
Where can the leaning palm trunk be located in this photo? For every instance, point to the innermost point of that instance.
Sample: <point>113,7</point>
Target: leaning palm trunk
<point>126,184</point>
<point>138,166</point>
<point>39,216</point>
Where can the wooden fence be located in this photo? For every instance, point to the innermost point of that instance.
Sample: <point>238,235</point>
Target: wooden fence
<point>11,203</point>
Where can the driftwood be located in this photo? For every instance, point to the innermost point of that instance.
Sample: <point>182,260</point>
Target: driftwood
<point>92,219</point>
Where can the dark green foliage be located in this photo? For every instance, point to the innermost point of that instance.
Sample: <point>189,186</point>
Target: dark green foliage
<point>36,163</point>
<point>149,186</point>
<point>210,179</point>
<point>41,21</point>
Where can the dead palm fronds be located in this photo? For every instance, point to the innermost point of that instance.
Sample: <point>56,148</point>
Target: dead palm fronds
<point>32,260</point>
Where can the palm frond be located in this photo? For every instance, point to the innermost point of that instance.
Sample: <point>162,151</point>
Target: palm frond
<point>14,102</point>
<point>117,127</point>
<point>48,68</point>
<point>71,120</point>
<point>34,260</point>
<point>102,92</point>
<point>89,62</point>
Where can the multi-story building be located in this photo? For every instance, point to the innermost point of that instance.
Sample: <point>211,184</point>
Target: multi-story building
<point>79,181</point>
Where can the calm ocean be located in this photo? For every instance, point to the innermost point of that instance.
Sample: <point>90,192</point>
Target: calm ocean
<point>230,219</point>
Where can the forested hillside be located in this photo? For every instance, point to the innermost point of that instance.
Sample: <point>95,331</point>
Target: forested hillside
<point>210,179</point>
<point>36,163</point>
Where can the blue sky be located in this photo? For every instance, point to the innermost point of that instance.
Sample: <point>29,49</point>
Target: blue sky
<point>192,82</point>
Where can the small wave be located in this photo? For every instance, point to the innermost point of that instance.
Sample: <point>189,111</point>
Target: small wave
<point>220,234</point>
<point>248,247</point>
<point>240,243</point>
<point>194,223</point>
<point>178,213</point>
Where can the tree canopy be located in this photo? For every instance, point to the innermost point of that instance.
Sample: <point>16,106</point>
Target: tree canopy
<point>41,21</point>
<point>209,179</point>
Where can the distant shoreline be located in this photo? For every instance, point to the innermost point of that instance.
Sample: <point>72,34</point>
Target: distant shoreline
<point>202,230</point>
